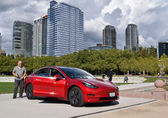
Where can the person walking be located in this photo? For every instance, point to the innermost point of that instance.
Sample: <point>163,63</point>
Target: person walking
<point>110,74</point>
<point>19,72</point>
<point>126,79</point>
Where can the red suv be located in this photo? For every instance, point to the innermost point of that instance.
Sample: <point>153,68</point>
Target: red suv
<point>72,84</point>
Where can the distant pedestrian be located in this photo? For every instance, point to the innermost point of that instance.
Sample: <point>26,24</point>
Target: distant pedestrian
<point>110,74</point>
<point>126,79</point>
<point>19,72</point>
<point>103,76</point>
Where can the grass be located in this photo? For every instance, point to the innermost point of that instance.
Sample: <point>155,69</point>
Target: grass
<point>6,87</point>
<point>118,84</point>
<point>150,79</point>
<point>6,76</point>
<point>166,87</point>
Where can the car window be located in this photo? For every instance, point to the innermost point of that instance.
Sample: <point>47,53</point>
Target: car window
<point>42,72</point>
<point>55,72</point>
<point>76,73</point>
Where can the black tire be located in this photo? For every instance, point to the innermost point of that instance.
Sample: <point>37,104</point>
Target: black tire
<point>29,91</point>
<point>75,97</point>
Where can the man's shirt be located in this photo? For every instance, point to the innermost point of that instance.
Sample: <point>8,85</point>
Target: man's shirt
<point>19,71</point>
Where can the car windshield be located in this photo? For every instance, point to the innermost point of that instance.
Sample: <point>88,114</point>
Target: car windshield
<point>76,73</point>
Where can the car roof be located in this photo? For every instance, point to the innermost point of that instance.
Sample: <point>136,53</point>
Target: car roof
<point>58,67</point>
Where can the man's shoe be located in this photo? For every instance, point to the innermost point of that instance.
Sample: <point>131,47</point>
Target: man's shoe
<point>14,97</point>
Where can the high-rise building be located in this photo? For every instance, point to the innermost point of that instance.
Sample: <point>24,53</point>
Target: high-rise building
<point>163,48</point>
<point>132,40</point>
<point>64,29</point>
<point>152,51</point>
<point>0,41</point>
<point>22,38</point>
<point>40,36</point>
<point>100,47</point>
<point>109,36</point>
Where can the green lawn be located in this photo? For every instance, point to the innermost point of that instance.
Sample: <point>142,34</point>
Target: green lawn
<point>118,84</point>
<point>150,79</point>
<point>6,76</point>
<point>6,87</point>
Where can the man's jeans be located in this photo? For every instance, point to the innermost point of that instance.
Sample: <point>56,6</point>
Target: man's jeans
<point>19,83</point>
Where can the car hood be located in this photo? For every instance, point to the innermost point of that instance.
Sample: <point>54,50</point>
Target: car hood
<point>100,83</point>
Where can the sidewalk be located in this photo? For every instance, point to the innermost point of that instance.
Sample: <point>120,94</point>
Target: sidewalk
<point>133,86</point>
<point>152,110</point>
<point>7,79</point>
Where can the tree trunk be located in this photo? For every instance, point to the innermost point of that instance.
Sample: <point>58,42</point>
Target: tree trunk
<point>143,72</point>
<point>128,72</point>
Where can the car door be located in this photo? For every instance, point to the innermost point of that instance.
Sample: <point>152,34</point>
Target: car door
<point>57,86</point>
<point>41,83</point>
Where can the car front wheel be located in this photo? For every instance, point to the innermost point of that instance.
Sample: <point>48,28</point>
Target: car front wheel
<point>76,97</point>
<point>29,91</point>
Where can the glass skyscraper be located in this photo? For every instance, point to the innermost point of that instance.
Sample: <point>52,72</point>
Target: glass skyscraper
<point>109,36</point>
<point>163,48</point>
<point>132,40</point>
<point>65,29</point>
<point>22,38</point>
<point>40,36</point>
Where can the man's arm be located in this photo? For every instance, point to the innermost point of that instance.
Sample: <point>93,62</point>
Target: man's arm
<point>23,75</point>
<point>14,74</point>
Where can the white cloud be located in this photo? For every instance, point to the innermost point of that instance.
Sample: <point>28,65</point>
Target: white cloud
<point>150,16</point>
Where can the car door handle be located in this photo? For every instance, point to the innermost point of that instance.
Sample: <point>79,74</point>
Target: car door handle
<point>38,79</point>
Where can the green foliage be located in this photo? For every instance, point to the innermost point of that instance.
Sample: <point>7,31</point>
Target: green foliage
<point>6,87</point>
<point>95,62</point>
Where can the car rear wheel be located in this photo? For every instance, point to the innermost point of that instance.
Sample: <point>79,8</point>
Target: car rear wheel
<point>76,97</point>
<point>29,91</point>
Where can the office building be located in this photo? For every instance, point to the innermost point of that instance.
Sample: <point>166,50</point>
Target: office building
<point>132,40</point>
<point>22,38</point>
<point>109,36</point>
<point>100,47</point>
<point>163,48</point>
<point>152,51</point>
<point>40,36</point>
<point>64,29</point>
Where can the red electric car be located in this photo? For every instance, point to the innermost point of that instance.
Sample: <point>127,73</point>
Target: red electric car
<point>72,84</point>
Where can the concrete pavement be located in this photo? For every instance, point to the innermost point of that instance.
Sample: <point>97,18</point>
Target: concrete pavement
<point>51,108</point>
<point>154,110</point>
<point>133,86</point>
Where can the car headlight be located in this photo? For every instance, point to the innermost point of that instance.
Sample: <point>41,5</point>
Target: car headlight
<point>89,85</point>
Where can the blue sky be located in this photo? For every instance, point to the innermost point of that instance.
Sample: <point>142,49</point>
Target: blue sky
<point>151,17</point>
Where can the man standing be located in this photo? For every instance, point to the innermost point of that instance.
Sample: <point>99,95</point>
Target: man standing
<point>19,72</point>
<point>110,74</point>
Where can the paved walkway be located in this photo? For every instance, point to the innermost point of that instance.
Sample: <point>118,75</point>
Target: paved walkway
<point>7,79</point>
<point>120,79</point>
<point>133,86</point>
<point>131,79</point>
<point>49,108</point>
<point>153,110</point>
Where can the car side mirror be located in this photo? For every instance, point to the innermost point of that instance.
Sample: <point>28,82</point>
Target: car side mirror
<point>57,77</point>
